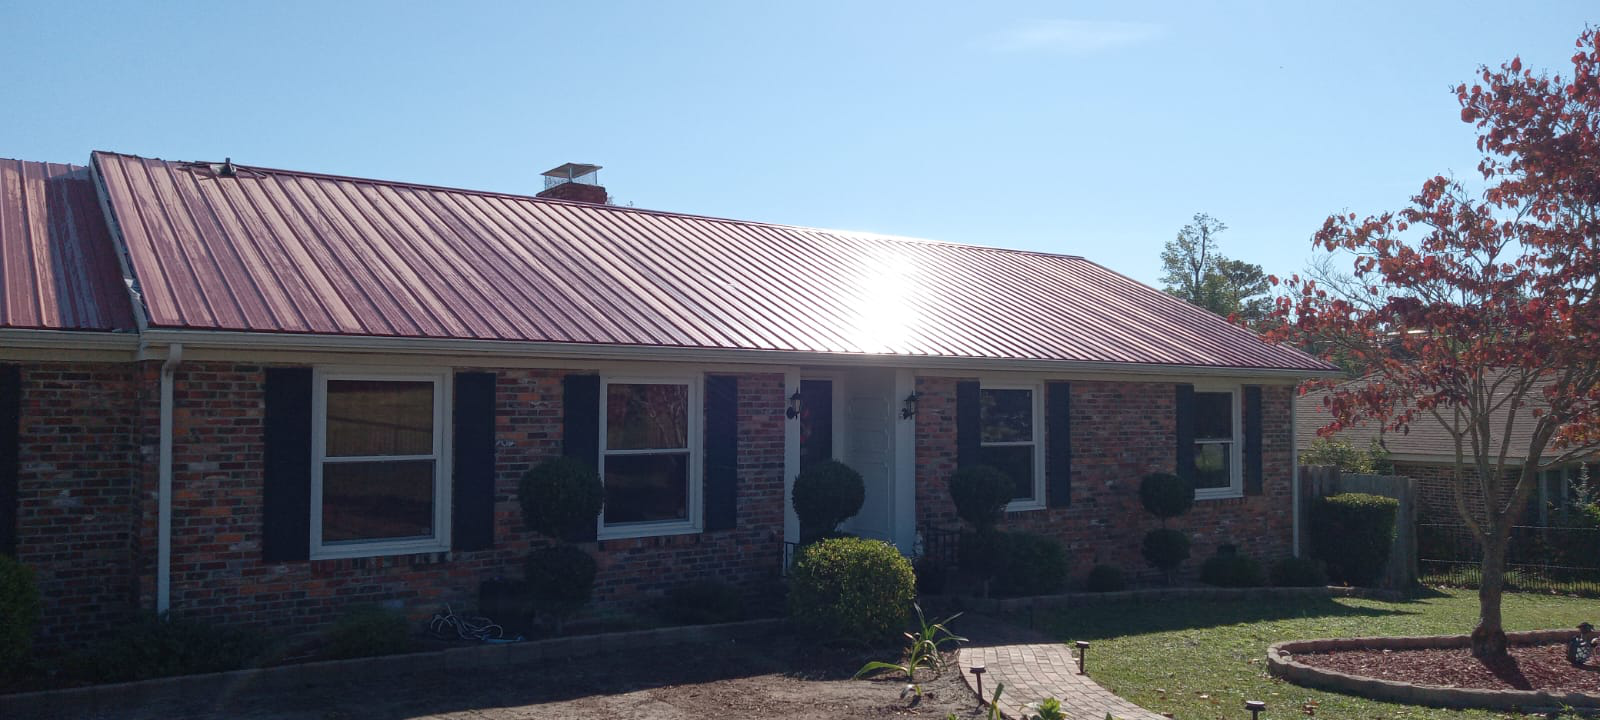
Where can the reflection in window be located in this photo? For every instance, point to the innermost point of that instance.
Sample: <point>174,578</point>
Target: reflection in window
<point>1008,439</point>
<point>1214,441</point>
<point>646,455</point>
<point>379,464</point>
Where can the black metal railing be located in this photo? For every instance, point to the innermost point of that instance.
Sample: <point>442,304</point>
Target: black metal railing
<point>1539,559</point>
<point>939,546</point>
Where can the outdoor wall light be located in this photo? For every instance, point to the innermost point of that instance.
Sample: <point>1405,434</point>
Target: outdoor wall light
<point>794,406</point>
<point>908,406</point>
<point>1255,707</point>
<point>1083,653</point>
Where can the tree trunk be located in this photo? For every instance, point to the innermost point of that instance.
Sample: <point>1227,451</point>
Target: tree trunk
<point>1489,637</point>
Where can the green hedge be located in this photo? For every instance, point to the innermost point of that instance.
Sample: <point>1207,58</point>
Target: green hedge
<point>851,590</point>
<point>1032,565</point>
<point>1352,534</point>
<point>1105,578</point>
<point>19,611</point>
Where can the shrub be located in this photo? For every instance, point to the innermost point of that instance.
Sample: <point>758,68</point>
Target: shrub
<point>366,631</point>
<point>703,602</point>
<point>1352,533</point>
<point>981,554</point>
<point>1105,578</point>
<point>931,576</point>
<point>1032,565</point>
<point>1344,454</point>
<point>19,611</point>
<point>560,497</point>
<point>1165,495</point>
<point>1165,549</point>
<point>153,647</point>
<point>1231,570</point>
<point>826,494</point>
<point>980,494</point>
<point>560,580</point>
<point>1298,572</point>
<point>851,590</point>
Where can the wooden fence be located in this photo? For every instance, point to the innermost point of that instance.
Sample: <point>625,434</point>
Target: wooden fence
<point>1323,480</point>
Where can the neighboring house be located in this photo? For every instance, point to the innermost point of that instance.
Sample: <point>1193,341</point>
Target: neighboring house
<point>257,396</point>
<point>1427,453</point>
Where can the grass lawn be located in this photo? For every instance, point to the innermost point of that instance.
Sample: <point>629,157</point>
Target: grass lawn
<point>1202,660</point>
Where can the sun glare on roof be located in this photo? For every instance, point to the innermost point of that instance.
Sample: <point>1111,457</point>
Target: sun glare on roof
<point>886,313</point>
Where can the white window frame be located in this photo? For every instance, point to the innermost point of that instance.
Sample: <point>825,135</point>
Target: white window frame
<point>695,522</point>
<point>1036,390</point>
<point>1235,488</point>
<point>440,540</point>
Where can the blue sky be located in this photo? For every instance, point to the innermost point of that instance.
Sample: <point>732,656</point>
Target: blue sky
<point>1095,129</point>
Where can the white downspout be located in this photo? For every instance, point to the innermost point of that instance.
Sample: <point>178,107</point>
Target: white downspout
<point>164,484</point>
<point>1294,468</point>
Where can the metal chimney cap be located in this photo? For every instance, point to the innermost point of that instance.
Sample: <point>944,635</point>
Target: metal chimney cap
<point>571,171</point>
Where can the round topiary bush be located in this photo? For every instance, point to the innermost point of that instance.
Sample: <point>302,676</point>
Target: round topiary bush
<point>1165,495</point>
<point>1105,578</point>
<point>1298,572</point>
<point>826,494</point>
<point>851,590</point>
<point>980,494</point>
<point>1231,570</point>
<point>561,497</point>
<point>1165,549</point>
<point>560,580</point>
<point>19,611</point>
<point>1352,533</point>
<point>1033,565</point>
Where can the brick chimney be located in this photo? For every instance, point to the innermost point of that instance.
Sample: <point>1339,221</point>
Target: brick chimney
<point>576,182</point>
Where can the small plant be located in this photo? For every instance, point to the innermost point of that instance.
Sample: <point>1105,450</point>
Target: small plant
<point>1047,709</point>
<point>1231,570</point>
<point>1165,549</point>
<point>153,647</point>
<point>1352,533</point>
<point>704,602</point>
<point>19,611</point>
<point>367,631</point>
<point>994,702</point>
<point>826,494</point>
<point>1344,454</point>
<point>560,580</point>
<point>980,494</point>
<point>1298,572</point>
<point>851,590</point>
<point>923,651</point>
<point>1105,578</point>
<point>1032,565</point>
<point>560,497</point>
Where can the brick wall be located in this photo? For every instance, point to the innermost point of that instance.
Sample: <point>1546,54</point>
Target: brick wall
<point>1436,494</point>
<point>1120,432</point>
<point>76,494</point>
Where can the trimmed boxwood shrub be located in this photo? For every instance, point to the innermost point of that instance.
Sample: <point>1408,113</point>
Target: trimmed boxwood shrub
<point>1298,572</point>
<point>560,579</point>
<point>702,603</point>
<point>19,611</point>
<point>1165,549</point>
<point>980,494</point>
<point>1231,570</point>
<point>1165,495</point>
<point>1105,578</point>
<point>826,494</point>
<point>1032,565</point>
<point>851,590</point>
<point>366,631</point>
<point>1352,533</point>
<point>561,497</point>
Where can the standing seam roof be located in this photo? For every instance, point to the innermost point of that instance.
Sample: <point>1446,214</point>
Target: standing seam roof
<point>58,266</point>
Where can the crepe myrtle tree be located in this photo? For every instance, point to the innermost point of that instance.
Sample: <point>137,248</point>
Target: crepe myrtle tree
<point>1479,310</point>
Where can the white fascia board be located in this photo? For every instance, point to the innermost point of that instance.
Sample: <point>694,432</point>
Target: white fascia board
<point>81,345</point>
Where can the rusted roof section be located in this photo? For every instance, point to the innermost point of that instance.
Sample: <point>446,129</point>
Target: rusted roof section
<point>256,249</point>
<point>58,267</point>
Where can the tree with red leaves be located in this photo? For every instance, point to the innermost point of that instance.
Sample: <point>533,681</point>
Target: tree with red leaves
<point>1479,311</point>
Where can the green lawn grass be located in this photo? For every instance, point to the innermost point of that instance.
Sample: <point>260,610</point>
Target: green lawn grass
<point>1202,660</point>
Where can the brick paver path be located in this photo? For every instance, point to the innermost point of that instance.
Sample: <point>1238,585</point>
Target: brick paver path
<point>1034,668</point>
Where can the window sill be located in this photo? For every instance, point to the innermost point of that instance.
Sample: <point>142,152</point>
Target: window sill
<point>1220,494</point>
<point>1029,505</point>
<point>624,532</point>
<point>378,549</point>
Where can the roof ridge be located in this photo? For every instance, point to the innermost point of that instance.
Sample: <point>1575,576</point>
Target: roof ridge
<point>615,208</point>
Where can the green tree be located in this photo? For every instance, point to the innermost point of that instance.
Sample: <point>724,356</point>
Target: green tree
<point>1195,271</point>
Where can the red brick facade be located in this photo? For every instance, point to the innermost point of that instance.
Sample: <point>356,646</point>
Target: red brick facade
<point>1436,493</point>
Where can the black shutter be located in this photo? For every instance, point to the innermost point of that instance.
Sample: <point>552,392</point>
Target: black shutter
<point>1058,444</point>
<point>1184,410</point>
<point>580,429</point>
<point>969,425</point>
<point>286,466</point>
<point>472,521</point>
<point>10,455</point>
<point>722,452</point>
<point>1252,440</point>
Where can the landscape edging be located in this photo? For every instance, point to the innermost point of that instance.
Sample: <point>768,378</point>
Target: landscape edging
<point>1083,599</point>
<point>1281,663</point>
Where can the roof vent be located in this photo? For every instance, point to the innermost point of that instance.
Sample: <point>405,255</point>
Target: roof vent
<point>577,182</point>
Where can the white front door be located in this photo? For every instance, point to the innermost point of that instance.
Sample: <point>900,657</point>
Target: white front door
<point>870,412</point>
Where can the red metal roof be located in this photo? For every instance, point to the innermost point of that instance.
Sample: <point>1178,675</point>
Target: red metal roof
<point>58,267</point>
<point>277,251</point>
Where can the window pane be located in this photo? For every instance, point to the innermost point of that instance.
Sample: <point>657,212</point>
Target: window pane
<point>646,488</point>
<point>379,417</point>
<point>1016,461</point>
<point>1212,465</point>
<point>377,500</point>
<point>1213,416</point>
<point>1007,415</point>
<point>647,417</point>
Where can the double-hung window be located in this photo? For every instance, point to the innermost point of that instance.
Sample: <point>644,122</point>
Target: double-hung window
<point>1218,462</point>
<point>1012,439</point>
<point>649,457</point>
<point>380,464</point>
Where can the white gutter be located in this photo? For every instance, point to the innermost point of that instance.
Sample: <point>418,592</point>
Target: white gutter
<point>164,485</point>
<point>19,339</point>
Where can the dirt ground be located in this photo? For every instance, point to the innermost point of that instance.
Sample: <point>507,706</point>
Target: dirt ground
<point>726,681</point>
<point>1529,667</point>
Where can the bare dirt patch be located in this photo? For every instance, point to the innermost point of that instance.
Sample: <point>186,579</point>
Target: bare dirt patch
<point>1529,667</point>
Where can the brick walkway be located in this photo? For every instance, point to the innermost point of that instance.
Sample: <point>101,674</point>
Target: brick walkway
<point>1033,668</point>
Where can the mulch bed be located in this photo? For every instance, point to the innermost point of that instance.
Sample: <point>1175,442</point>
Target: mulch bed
<point>1529,667</point>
